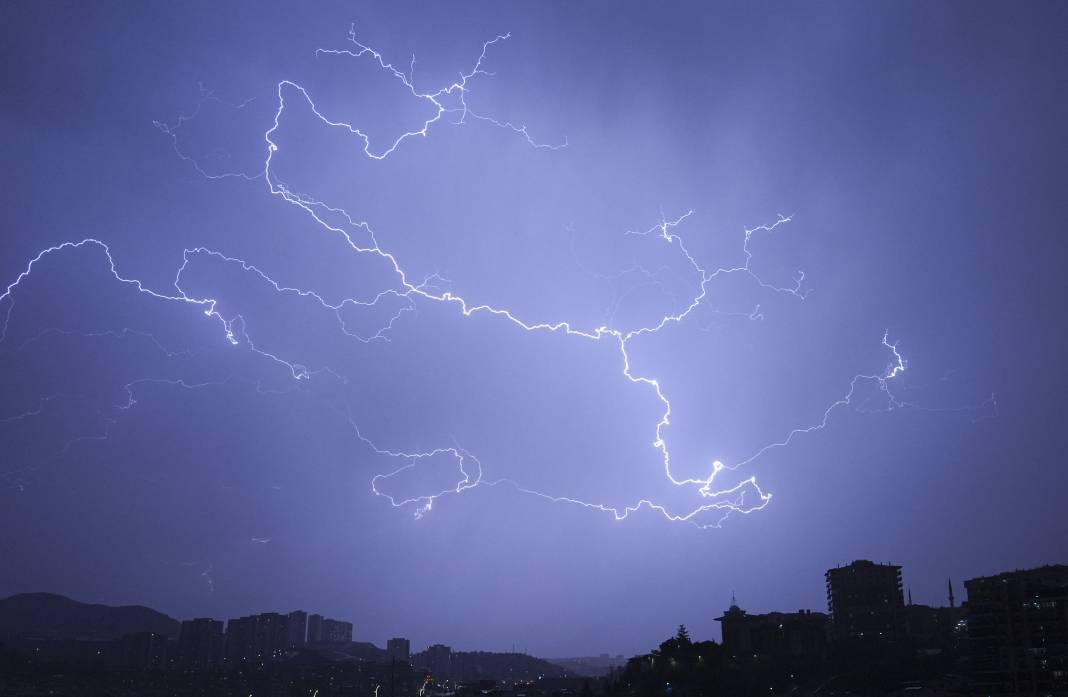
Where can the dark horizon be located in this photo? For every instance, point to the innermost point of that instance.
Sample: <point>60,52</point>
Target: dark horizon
<point>644,307</point>
<point>955,596</point>
<point>873,640</point>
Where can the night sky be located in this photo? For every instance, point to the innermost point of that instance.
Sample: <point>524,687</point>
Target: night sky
<point>204,436</point>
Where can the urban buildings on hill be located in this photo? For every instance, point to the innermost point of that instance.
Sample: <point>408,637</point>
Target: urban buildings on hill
<point>1010,635</point>
<point>1008,638</point>
<point>325,630</point>
<point>205,642</point>
<point>264,637</point>
<point>865,606</point>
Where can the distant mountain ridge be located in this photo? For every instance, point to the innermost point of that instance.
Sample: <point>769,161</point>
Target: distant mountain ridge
<point>590,666</point>
<point>59,617</point>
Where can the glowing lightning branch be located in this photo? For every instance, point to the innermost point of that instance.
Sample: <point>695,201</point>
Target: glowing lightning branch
<point>449,104</point>
<point>731,499</point>
<point>171,130</point>
<point>425,502</point>
<point>457,90</point>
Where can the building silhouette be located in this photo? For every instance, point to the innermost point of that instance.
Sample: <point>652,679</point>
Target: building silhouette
<point>336,632</point>
<point>1009,638</point>
<point>795,637</point>
<point>239,640</point>
<point>438,658</point>
<point>1018,632</point>
<point>398,649</point>
<point>271,636</point>
<point>865,601</point>
<point>297,628</point>
<point>324,630</point>
<point>315,628</point>
<point>934,630</point>
<point>263,637</point>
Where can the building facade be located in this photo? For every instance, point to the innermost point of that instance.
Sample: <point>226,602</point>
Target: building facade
<point>315,628</point>
<point>800,638</point>
<point>263,637</point>
<point>1017,628</point>
<point>336,632</point>
<point>398,649</point>
<point>865,601</point>
<point>297,628</point>
<point>438,658</point>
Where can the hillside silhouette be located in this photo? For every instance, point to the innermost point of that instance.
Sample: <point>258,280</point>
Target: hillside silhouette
<point>58,617</point>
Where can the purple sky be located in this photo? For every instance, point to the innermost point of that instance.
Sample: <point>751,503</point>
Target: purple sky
<point>145,457</point>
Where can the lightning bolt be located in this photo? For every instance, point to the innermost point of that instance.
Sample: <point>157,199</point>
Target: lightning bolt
<point>449,106</point>
<point>205,574</point>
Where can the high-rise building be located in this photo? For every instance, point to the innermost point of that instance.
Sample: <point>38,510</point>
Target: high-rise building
<point>336,631</point>
<point>271,636</point>
<point>297,625</point>
<point>315,628</point>
<point>201,642</point>
<point>1018,632</point>
<point>398,649</point>
<point>240,639</point>
<point>865,601</point>
<point>325,630</point>
<point>262,637</point>
<point>438,658</point>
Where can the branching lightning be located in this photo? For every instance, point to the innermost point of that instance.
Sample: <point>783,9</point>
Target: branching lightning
<point>449,105</point>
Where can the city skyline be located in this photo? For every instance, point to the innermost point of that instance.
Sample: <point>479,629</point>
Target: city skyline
<point>399,647</point>
<point>553,325</point>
